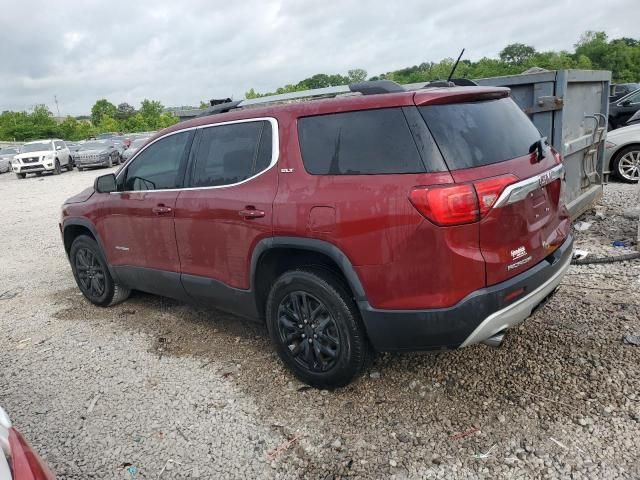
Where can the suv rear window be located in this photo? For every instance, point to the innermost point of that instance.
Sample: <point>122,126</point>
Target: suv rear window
<point>480,133</point>
<point>358,143</point>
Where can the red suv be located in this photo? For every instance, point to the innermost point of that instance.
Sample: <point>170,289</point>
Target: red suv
<point>412,220</point>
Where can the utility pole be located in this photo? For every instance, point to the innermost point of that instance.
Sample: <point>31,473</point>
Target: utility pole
<point>55,97</point>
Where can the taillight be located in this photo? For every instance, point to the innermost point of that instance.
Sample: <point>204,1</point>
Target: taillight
<point>489,190</point>
<point>556,156</point>
<point>453,205</point>
<point>461,203</point>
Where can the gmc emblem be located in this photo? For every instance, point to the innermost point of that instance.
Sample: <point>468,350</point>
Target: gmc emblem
<point>544,178</point>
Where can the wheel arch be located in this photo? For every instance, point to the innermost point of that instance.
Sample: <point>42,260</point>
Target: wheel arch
<point>273,256</point>
<point>73,227</point>
<point>619,149</point>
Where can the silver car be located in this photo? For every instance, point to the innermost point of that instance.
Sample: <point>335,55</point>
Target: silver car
<point>6,155</point>
<point>622,153</point>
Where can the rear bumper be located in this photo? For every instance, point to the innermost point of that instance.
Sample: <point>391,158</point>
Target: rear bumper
<point>477,317</point>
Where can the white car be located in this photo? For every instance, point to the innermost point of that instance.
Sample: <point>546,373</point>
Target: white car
<point>622,153</point>
<point>42,156</point>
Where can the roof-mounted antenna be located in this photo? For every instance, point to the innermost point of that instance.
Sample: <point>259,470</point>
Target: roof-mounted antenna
<point>455,65</point>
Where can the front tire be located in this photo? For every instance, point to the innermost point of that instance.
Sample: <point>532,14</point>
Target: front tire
<point>626,164</point>
<point>57,170</point>
<point>21,175</point>
<point>92,274</point>
<point>316,328</point>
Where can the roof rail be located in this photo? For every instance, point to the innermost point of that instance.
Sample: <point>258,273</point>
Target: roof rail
<point>371,87</point>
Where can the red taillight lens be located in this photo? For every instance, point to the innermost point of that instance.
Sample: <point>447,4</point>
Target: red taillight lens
<point>461,203</point>
<point>557,157</point>
<point>452,205</point>
<point>489,190</point>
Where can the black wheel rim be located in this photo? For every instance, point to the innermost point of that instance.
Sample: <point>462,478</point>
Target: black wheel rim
<point>90,273</point>
<point>309,331</point>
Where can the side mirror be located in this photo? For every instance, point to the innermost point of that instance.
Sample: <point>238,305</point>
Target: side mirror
<point>106,183</point>
<point>58,147</point>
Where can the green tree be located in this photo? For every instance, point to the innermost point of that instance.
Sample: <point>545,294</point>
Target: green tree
<point>124,111</point>
<point>151,110</point>
<point>101,109</point>
<point>517,53</point>
<point>356,75</point>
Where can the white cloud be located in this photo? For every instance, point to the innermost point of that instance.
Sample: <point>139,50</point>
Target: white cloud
<point>184,52</point>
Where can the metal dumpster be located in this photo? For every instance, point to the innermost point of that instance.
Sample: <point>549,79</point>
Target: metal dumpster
<point>570,108</point>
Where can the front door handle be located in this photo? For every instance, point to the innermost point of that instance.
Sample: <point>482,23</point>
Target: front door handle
<point>251,212</point>
<point>161,210</point>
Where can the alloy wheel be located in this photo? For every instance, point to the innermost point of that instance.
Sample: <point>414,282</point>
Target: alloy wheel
<point>629,165</point>
<point>90,272</point>
<point>309,331</point>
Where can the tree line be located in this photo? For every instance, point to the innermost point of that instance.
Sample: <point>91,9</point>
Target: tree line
<point>105,117</point>
<point>593,51</point>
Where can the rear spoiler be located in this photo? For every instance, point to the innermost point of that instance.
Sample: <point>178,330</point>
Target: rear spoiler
<point>439,96</point>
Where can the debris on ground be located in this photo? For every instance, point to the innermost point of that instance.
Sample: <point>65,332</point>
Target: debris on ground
<point>582,226</point>
<point>276,452</point>
<point>632,339</point>
<point>579,254</point>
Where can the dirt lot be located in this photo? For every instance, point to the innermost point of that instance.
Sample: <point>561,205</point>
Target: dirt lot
<point>156,389</point>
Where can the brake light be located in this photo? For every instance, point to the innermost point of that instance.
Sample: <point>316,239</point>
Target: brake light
<point>489,190</point>
<point>446,205</point>
<point>557,157</point>
<point>461,203</point>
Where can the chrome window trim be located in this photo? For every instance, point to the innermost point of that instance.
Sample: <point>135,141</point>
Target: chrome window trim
<point>518,191</point>
<point>275,154</point>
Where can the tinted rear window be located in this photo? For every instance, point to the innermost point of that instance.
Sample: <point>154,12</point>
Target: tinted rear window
<point>356,143</point>
<point>480,133</point>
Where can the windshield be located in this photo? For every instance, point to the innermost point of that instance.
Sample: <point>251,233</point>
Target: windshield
<point>8,151</point>
<point>36,147</point>
<point>93,146</point>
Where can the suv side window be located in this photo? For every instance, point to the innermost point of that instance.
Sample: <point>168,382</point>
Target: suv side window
<point>229,154</point>
<point>359,143</point>
<point>158,166</point>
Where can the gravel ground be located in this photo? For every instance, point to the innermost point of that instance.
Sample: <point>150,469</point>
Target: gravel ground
<point>154,388</point>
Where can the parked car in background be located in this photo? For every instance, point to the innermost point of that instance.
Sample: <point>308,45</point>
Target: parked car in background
<point>412,220</point>
<point>18,460</point>
<point>623,109</point>
<point>619,90</point>
<point>635,119</point>
<point>622,153</point>
<point>134,147</point>
<point>6,156</point>
<point>106,135</point>
<point>96,153</point>
<point>42,156</point>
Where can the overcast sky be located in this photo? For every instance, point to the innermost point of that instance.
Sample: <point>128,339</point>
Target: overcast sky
<point>184,51</point>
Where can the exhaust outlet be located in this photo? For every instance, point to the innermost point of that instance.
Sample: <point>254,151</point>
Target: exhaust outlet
<point>495,341</point>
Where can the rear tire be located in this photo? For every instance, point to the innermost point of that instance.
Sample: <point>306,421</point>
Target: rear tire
<point>70,164</point>
<point>626,164</point>
<point>316,328</point>
<point>92,273</point>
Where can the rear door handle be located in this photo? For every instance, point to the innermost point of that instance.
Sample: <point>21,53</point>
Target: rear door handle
<point>251,212</point>
<point>161,210</point>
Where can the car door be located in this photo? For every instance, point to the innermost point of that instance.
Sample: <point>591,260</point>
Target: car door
<point>228,208</point>
<point>61,152</point>
<point>137,224</point>
<point>626,107</point>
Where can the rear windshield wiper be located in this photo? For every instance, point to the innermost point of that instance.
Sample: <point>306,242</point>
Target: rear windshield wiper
<point>538,147</point>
